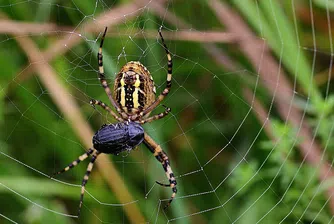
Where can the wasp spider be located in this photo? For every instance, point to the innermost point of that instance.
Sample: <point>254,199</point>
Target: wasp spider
<point>133,97</point>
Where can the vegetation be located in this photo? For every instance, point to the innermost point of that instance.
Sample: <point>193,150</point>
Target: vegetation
<point>249,137</point>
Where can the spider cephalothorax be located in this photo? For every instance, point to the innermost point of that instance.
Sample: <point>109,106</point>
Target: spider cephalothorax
<point>134,99</point>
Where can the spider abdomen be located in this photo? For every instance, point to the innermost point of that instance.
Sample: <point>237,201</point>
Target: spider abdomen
<point>119,137</point>
<point>134,88</point>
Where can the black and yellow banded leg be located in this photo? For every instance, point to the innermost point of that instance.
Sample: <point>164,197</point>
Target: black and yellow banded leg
<point>105,106</point>
<point>156,117</point>
<point>168,82</point>
<point>103,80</point>
<point>170,176</point>
<point>75,162</point>
<point>162,157</point>
<point>85,179</point>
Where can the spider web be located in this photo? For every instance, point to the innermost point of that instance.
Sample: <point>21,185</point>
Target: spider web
<point>248,138</point>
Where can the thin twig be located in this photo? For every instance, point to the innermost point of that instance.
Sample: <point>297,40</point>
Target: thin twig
<point>66,103</point>
<point>221,58</point>
<point>110,18</point>
<point>207,36</point>
<point>269,69</point>
<point>25,28</point>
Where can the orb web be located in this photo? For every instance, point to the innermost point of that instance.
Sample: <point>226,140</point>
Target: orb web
<point>248,138</point>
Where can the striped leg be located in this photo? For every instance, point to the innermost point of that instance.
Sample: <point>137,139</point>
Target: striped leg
<point>85,179</point>
<point>156,117</point>
<point>104,106</point>
<point>168,83</point>
<point>75,162</point>
<point>103,80</point>
<point>161,156</point>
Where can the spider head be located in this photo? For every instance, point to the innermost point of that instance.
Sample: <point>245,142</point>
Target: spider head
<point>129,77</point>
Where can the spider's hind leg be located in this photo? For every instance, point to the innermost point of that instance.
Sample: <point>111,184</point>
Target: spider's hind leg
<point>86,177</point>
<point>75,162</point>
<point>162,157</point>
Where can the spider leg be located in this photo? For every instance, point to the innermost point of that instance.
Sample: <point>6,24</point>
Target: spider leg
<point>161,184</point>
<point>156,117</point>
<point>75,162</point>
<point>85,179</point>
<point>103,80</point>
<point>162,157</point>
<point>168,82</point>
<point>105,106</point>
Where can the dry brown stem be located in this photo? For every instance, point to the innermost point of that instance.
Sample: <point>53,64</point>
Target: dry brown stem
<point>68,106</point>
<point>24,28</point>
<point>158,8</point>
<point>208,36</point>
<point>110,18</point>
<point>280,88</point>
<point>64,100</point>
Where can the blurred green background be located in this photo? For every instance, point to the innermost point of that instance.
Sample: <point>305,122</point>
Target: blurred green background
<point>250,133</point>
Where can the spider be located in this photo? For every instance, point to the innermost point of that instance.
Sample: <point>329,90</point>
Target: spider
<point>133,98</point>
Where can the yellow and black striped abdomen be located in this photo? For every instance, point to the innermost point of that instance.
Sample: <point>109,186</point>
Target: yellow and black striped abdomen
<point>134,88</point>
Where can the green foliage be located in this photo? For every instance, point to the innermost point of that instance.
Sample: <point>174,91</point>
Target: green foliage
<point>231,167</point>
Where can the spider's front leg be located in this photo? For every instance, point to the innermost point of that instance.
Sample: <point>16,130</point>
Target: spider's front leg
<point>162,157</point>
<point>165,92</point>
<point>103,80</point>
